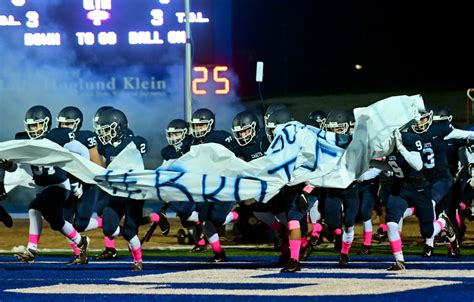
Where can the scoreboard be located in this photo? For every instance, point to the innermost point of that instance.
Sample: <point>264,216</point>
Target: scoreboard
<point>115,45</point>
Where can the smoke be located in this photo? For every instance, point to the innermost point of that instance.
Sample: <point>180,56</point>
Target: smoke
<point>150,94</point>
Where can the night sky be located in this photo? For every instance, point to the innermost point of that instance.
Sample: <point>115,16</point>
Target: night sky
<point>311,47</point>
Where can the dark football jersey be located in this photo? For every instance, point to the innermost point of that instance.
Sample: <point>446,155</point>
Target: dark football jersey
<point>435,148</point>
<point>87,138</point>
<point>400,167</point>
<point>255,149</point>
<point>110,152</point>
<point>171,152</point>
<point>49,175</point>
<point>221,137</point>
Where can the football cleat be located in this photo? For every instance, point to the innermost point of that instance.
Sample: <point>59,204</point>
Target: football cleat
<point>291,267</point>
<point>77,260</point>
<point>83,247</point>
<point>181,235</point>
<point>365,250</point>
<point>397,266</point>
<point>454,252</point>
<point>427,251</point>
<point>137,266</point>
<point>343,260</point>
<point>27,256</point>
<point>381,235</point>
<point>164,223</point>
<point>451,235</point>
<point>218,257</point>
<point>107,254</point>
<point>198,248</point>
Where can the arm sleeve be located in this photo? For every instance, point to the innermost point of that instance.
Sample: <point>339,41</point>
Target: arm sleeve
<point>459,134</point>
<point>369,174</point>
<point>413,158</point>
<point>78,148</point>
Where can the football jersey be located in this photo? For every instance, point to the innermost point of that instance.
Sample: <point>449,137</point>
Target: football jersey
<point>171,152</point>
<point>87,138</point>
<point>400,167</point>
<point>435,148</point>
<point>255,149</point>
<point>110,152</point>
<point>221,137</point>
<point>49,175</point>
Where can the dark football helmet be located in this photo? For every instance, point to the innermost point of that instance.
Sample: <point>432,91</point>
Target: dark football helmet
<point>244,127</point>
<point>338,121</point>
<point>202,122</point>
<point>112,126</point>
<point>318,116</point>
<point>176,131</point>
<point>275,119</point>
<point>272,108</point>
<point>426,118</point>
<point>70,117</point>
<point>37,121</point>
<point>442,114</point>
<point>97,115</point>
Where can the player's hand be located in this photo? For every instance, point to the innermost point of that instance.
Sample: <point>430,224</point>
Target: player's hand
<point>77,189</point>
<point>398,139</point>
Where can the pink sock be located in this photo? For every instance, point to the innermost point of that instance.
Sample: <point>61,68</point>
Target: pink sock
<point>367,238</point>
<point>304,241</point>
<point>396,245</point>
<point>109,243</point>
<point>346,246</point>
<point>154,217</point>
<point>338,232</point>
<point>317,227</point>
<point>383,226</point>
<point>74,248</point>
<point>463,206</point>
<point>137,254</point>
<point>295,246</point>
<point>216,246</point>
<point>235,216</point>
<point>99,222</point>
<point>201,242</point>
<point>458,219</point>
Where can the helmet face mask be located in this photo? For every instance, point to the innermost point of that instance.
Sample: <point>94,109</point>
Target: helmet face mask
<point>201,128</point>
<point>175,136</point>
<point>107,133</point>
<point>70,117</point>
<point>275,119</point>
<point>37,128</point>
<point>442,114</point>
<point>37,122</point>
<point>424,123</point>
<point>339,128</point>
<point>245,134</point>
<point>111,126</point>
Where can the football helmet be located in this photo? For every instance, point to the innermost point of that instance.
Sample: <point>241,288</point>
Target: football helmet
<point>176,131</point>
<point>272,108</point>
<point>275,119</point>
<point>244,127</point>
<point>318,116</point>
<point>97,115</point>
<point>202,122</point>
<point>442,114</point>
<point>37,121</point>
<point>71,117</point>
<point>112,126</point>
<point>338,121</point>
<point>426,118</point>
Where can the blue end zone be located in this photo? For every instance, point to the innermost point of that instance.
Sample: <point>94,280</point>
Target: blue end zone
<point>240,279</point>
